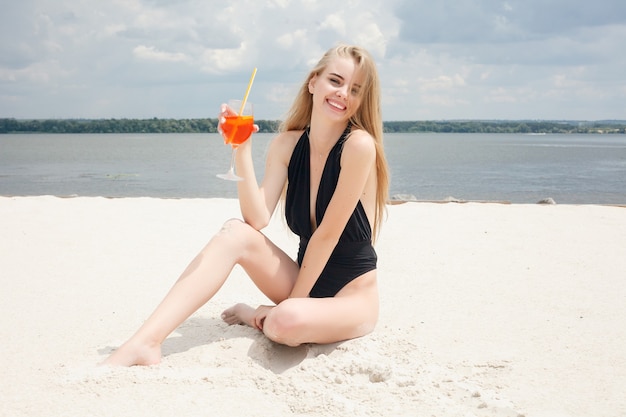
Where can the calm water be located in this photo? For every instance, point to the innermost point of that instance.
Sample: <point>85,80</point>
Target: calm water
<point>516,168</point>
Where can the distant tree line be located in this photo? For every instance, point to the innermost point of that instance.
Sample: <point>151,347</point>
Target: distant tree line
<point>155,125</point>
<point>479,126</point>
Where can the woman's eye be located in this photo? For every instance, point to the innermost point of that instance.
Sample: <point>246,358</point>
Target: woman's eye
<point>334,81</point>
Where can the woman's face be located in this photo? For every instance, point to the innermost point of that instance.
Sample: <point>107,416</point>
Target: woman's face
<point>337,90</point>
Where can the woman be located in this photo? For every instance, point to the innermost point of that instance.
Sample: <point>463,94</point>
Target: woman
<point>330,157</point>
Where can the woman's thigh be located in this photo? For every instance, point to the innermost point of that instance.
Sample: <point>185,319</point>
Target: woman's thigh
<point>351,313</point>
<point>269,267</point>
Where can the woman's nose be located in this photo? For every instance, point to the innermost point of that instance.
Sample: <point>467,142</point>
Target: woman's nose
<point>342,92</point>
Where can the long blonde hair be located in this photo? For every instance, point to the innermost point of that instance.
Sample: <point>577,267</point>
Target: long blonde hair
<point>368,117</point>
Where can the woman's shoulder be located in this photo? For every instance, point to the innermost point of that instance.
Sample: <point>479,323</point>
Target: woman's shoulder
<point>360,143</point>
<point>289,137</point>
<point>284,143</point>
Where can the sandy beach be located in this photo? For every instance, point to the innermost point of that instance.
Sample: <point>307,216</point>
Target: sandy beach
<point>486,310</point>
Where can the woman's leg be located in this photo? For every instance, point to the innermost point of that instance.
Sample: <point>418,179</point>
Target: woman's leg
<point>353,312</point>
<point>236,243</point>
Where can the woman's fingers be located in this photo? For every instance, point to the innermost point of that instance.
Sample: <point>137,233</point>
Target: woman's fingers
<point>225,110</point>
<point>261,313</point>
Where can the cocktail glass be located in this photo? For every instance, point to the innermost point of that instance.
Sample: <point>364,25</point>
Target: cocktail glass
<point>236,128</point>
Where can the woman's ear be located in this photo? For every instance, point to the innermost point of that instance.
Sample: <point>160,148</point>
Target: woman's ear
<point>312,83</point>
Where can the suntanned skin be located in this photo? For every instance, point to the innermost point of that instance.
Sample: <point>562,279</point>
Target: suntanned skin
<point>295,318</point>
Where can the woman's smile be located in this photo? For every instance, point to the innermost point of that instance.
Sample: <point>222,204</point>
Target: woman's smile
<point>336,104</point>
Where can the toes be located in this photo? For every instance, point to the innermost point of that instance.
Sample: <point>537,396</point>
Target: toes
<point>230,316</point>
<point>230,319</point>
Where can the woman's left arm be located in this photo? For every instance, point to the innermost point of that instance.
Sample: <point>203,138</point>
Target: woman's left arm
<point>357,161</point>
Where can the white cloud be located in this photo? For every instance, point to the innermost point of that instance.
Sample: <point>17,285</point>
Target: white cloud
<point>288,40</point>
<point>113,29</point>
<point>441,83</point>
<point>372,38</point>
<point>334,22</point>
<point>279,3</point>
<point>502,95</point>
<point>152,53</point>
<point>448,59</point>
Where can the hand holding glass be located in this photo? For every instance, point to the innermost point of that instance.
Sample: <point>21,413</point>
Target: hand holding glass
<point>236,125</point>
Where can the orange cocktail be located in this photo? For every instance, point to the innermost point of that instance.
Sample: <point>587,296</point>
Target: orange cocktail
<point>236,126</point>
<point>237,129</point>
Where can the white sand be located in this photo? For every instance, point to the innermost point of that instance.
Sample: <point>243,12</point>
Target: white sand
<point>487,310</point>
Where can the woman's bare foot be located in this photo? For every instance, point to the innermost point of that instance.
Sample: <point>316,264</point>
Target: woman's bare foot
<point>131,354</point>
<point>239,314</point>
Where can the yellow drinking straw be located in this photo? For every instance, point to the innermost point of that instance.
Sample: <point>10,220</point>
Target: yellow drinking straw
<point>245,98</point>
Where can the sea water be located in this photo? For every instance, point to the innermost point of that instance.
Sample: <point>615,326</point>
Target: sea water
<point>493,167</point>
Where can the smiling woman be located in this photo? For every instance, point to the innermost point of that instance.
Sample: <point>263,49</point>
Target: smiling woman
<point>330,160</point>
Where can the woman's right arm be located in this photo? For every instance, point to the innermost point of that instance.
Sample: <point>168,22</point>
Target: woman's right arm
<point>258,203</point>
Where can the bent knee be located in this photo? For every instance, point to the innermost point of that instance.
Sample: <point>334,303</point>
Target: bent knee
<point>284,324</point>
<point>233,237</point>
<point>234,230</point>
<point>232,225</point>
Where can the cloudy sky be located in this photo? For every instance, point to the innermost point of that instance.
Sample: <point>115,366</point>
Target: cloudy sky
<point>438,59</point>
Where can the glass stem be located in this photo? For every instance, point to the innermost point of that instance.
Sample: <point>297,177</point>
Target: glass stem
<point>232,160</point>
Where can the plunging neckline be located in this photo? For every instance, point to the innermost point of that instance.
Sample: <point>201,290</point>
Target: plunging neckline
<point>314,220</point>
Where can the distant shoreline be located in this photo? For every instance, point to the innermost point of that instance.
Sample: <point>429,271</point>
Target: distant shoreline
<point>155,125</point>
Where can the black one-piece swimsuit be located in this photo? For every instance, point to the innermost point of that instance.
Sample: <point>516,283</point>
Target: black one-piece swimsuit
<point>354,254</point>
